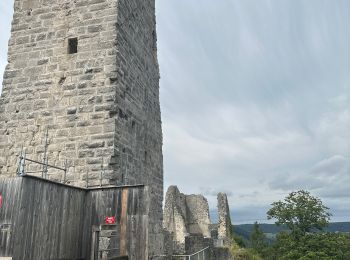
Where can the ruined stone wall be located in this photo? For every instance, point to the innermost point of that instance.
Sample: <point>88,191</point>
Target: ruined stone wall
<point>100,105</point>
<point>174,220</point>
<point>196,243</point>
<point>224,225</point>
<point>198,219</point>
<point>185,215</point>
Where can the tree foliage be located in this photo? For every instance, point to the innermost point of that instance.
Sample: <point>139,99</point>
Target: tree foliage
<point>300,212</point>
<point>238,240</point>
<point>258,240</point>
<point>303,214</point>
<point>239,253</point>
<point>317,246</point>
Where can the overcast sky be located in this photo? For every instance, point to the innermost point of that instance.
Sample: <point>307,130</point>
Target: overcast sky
<point>255,99</point>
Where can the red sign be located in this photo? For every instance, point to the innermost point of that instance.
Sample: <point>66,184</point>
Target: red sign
<point>110,220</point>
<point>0,201</point>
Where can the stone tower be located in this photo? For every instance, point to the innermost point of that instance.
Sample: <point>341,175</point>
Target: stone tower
<point>86,71</point>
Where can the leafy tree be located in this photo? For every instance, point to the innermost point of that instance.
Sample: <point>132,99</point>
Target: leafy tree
<point>303,214</point>
<point>320,246</point>
<point>239,253</point>
<point>258,239</point>
<point>300,212</point>
<point>239,240</point>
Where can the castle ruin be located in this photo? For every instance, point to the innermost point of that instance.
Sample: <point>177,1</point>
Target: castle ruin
<point>225,224</point>
<point>187,221</point>
<point>185,215</point>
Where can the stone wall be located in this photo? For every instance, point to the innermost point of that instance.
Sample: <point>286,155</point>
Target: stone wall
<point>198,219</point>
<point>224,225</point>
<point>99,105</point>
<point>138,135</point>
<point>221,253</point>
<point>71,95</point>
<point>185,215</point>
<point>196,243</point>
<point>186,219</point>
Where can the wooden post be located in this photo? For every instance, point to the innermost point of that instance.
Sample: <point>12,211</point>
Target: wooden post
<point>95,242</point>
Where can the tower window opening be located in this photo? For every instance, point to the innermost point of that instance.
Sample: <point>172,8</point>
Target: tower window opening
<point>72,45</point>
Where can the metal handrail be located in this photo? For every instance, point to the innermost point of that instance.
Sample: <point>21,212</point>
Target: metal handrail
<point>21,171</point>
<point>194,254</point>
<point>46,164</point>
<point>22,166</point>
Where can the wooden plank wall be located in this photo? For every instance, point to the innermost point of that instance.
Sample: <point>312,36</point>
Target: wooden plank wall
<point>128,205</point>
<point>53,221</point>
<point>10,195</point>
<point>47,220</point>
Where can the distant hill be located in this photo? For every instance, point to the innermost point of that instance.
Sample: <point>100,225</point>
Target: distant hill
<point>271,229</point>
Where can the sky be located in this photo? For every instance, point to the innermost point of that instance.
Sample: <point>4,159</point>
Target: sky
<point>255,100</point>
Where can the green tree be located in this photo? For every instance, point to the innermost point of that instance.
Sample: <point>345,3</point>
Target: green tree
<point>318,246</point>
<point>238,240</point>
<point>303,214</point>
<point>258,240</point>
<point>300,212</point>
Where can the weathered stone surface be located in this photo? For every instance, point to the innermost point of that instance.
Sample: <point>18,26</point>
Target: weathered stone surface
<point>100,105</point>
<point>221,253</point>
<point>185,215</point>
<point>224,225</point>
<point>196,242</point>
<point>168,244</point>
<point>198,219</point>
<point>175,217</point>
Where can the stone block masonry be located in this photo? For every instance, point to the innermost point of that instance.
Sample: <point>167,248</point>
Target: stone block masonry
<point>185,215</point>
<point>187,223</point>
<point>87,71</point>
<point>225,224</point>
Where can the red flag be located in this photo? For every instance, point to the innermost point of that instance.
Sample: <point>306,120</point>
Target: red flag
<point>110,220</point>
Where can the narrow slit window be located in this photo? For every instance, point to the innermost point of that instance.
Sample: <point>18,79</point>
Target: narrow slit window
<point>72,45</point>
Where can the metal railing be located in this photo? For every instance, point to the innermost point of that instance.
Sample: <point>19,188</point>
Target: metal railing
<point>22,167</point>
<point>200,255</point>
<point>44,167</point>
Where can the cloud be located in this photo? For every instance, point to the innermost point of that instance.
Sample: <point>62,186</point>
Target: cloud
<point>255,98</point>
<point>328,178</point>
<point>239,216</point>
<point>209,191</point>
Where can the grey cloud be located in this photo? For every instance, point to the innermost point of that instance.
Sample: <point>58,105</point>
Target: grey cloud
<point>208,191</point>
<point>288,182</point>
<point>329,178</point>
<point>254,90</point>
<point>337,191</point>
<point>336,165</point>
<point>239,215</point>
